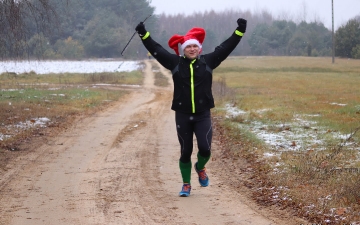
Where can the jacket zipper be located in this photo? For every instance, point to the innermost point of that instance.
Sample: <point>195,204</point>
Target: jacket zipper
<point>192,86</point>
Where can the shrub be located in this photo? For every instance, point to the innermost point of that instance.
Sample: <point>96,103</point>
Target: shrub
<point>356,52</point>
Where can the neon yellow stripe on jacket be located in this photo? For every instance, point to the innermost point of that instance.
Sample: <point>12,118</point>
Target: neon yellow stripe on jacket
<point>192,86</point>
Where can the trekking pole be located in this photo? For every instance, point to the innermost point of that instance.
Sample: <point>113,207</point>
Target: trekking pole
<point>133,36</point>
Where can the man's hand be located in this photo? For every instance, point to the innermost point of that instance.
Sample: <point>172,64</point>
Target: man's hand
<point>140,29</point>
<point>241,25</point>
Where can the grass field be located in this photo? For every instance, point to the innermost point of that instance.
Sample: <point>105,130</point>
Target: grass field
<point>290,86</point>
<point>27,99</point>
<point>299,117</point>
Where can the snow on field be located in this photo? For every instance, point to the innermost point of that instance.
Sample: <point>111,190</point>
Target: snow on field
<point>300,134</point>
<point>88,66</point>
<point>36,122</point>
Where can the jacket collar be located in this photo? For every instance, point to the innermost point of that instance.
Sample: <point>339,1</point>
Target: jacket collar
<point>190,60</point>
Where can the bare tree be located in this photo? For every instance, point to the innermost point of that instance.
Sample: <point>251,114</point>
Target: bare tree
<point>19,19</point>
<point>304,12</point>
<point>285,15</point>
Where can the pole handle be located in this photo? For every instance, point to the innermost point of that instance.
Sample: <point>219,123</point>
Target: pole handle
<point>133,36</point>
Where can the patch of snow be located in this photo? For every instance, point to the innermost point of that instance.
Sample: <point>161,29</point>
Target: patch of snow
<point>339,104</point>
<point>36,122</point>
<point>41,122</point>
<point>48,67</point>
<point>10,90</point>
<point>268,154</point>
<point>61,95</point>
<point>233,111</point>
<point>4,136</point>
<point>118,85</point>
<point>300,134</point>
<point>262,110</point>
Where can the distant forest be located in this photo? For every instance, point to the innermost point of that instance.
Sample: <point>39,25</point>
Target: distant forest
<point>79,29</point>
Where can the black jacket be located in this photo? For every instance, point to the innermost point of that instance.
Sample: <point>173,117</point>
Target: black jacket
<point>192,78</point>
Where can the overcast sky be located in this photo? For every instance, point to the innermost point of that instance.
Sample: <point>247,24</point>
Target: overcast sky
<point>319,10</point>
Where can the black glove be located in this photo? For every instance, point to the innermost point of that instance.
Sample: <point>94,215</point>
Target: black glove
<point>241,25</point>
<point>140,29</point>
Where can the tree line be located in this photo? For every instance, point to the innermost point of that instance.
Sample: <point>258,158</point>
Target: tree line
<point>69,29</point>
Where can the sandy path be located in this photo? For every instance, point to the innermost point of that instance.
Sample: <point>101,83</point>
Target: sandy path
<point>119,166</point>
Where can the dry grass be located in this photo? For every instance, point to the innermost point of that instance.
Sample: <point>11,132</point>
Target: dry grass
<point>61,98</point>
<point>297,85</point>
<point>20,106</point>
<point>33,80</point>
<point>320,182</point>
<point>160,79</point>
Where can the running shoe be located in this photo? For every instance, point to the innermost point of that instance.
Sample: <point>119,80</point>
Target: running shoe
<point>203,177</point>
<point>185,191</point>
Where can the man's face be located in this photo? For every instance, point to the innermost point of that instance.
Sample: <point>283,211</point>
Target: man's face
<point>191,51</point>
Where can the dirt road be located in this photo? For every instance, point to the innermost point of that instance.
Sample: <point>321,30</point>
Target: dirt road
<point>120,166</point>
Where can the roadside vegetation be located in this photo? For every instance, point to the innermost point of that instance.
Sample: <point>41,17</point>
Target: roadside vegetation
<point>160,79</point>
<point>33,105</point>
<point>296,122</point>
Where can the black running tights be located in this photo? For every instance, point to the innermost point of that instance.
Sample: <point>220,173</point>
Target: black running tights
<point>189,124</point>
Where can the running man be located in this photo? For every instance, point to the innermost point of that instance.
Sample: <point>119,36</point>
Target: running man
<point>192,98</point>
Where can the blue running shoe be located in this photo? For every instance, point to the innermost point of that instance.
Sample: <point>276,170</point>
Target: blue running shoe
<point>203,177</point>
<point>185,191</point>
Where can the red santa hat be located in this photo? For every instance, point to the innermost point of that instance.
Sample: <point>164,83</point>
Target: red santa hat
<point>195,36</point>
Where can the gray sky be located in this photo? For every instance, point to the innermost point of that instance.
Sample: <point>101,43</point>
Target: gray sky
<point>319,10</point>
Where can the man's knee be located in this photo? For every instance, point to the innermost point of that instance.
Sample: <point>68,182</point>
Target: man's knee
<point>205,152</point>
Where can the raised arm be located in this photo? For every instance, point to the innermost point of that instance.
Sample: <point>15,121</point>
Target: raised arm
<point>224,49</point>
<point>165,58</point>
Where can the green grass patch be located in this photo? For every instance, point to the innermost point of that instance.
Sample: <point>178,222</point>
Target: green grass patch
<point>21,105</point>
